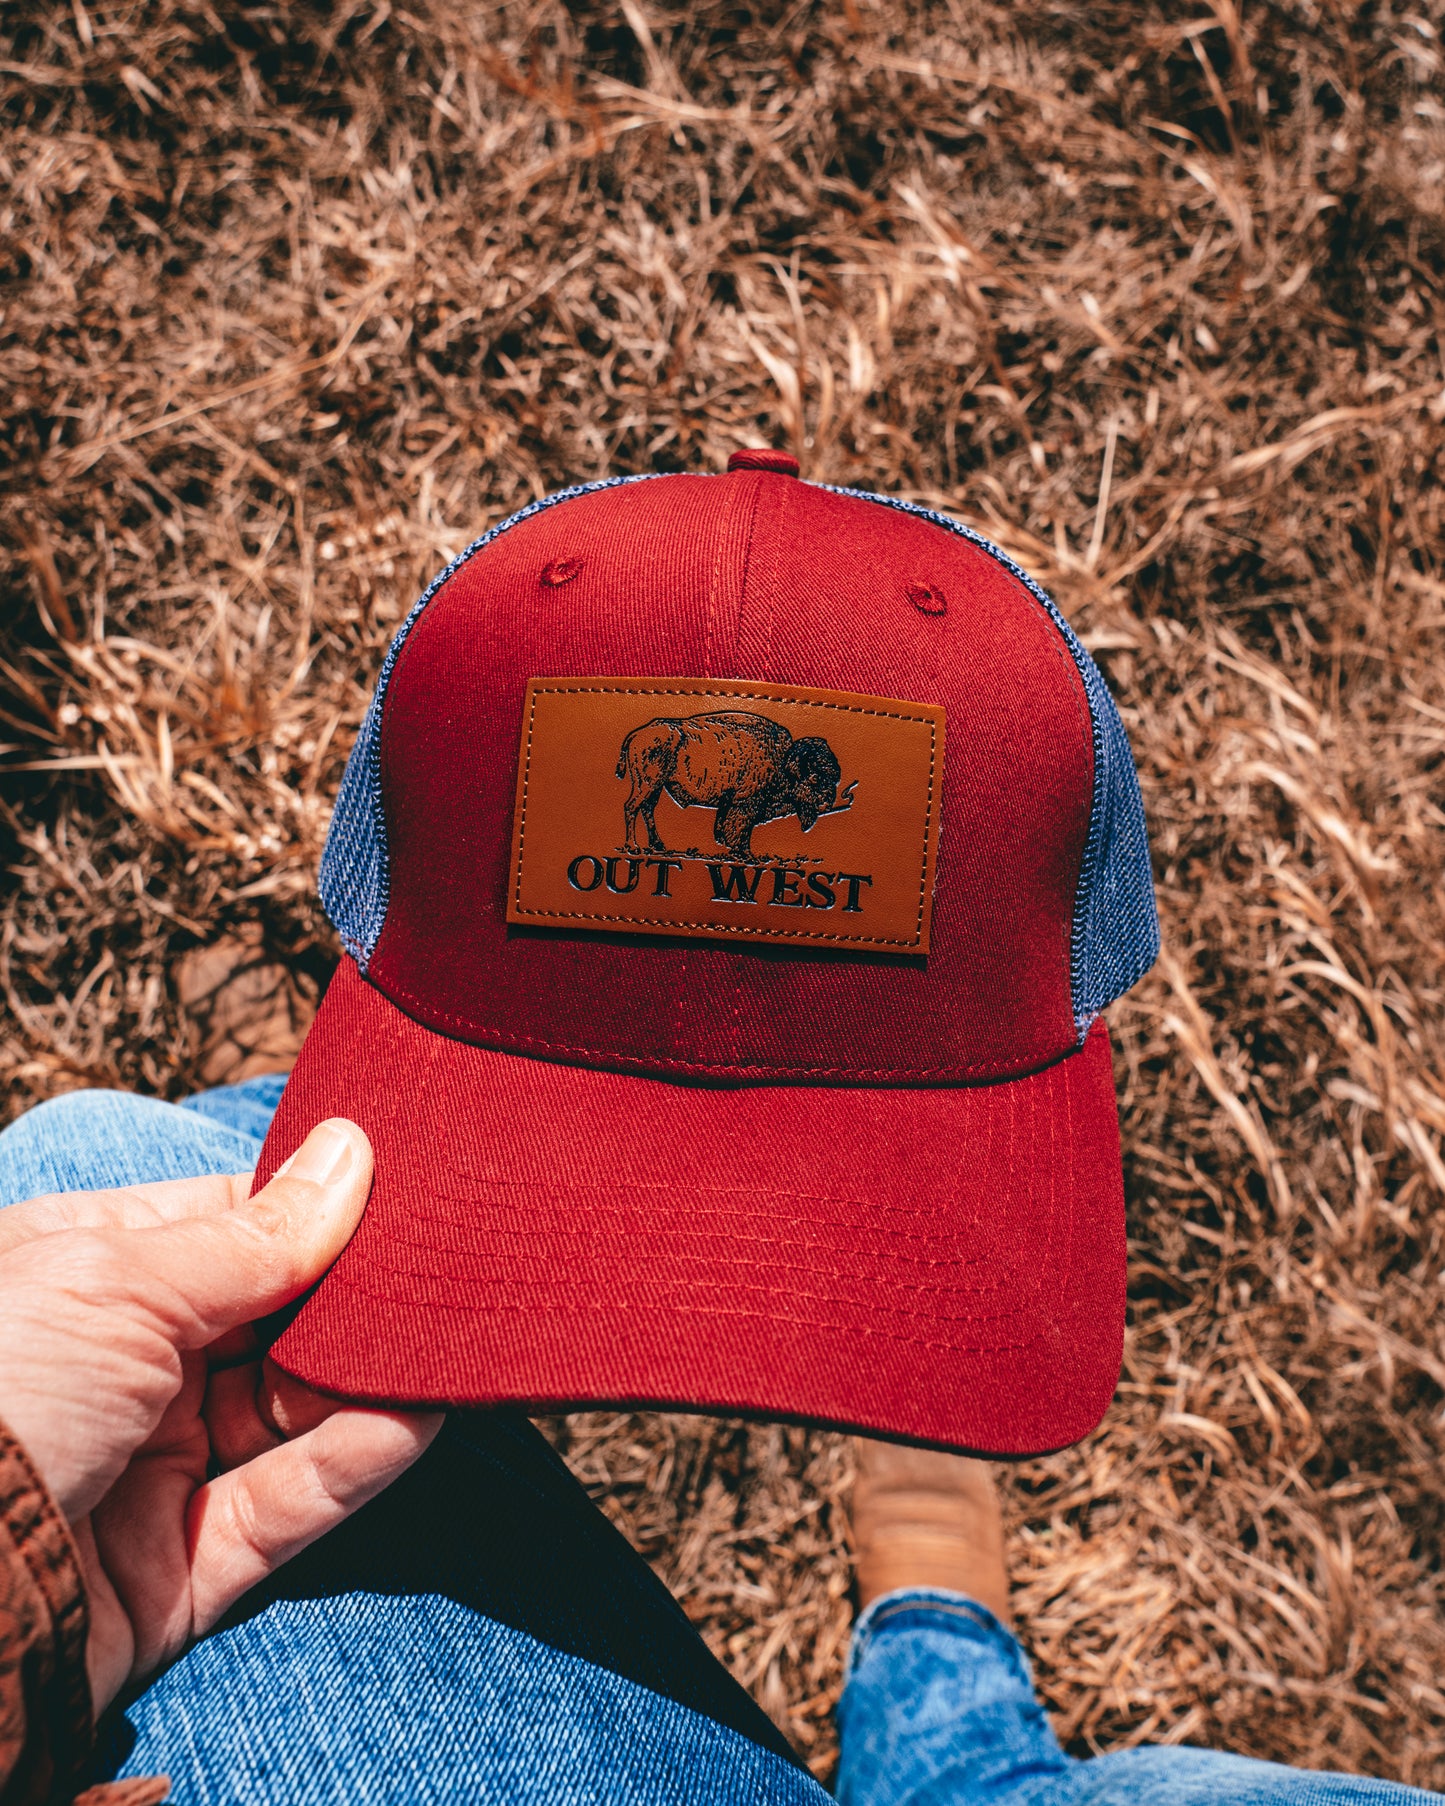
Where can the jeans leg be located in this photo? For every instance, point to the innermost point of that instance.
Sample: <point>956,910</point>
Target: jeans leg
<point>1189,1777</point>
<point>99,1140</point>
<point>479,1631</point>
<point>247,1107</point>
<point>939,1707</point>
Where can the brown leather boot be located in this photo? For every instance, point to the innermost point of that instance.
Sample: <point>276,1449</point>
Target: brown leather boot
<point>921,1519</point>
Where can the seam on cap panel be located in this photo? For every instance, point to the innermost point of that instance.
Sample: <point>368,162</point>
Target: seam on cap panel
<point>778,527</point>
<point>760,530</point>
<point>665,686</point>
<point>772,1318</point>
<point>347,896</point>
<point>771,1255</point>
<point>714,1220</point>
<point>460,1029</point>
<point>730,505</point>
<point>778,1283</point>
<point>753,491</point>
<point>681,986</point>
<point>1099,700</point>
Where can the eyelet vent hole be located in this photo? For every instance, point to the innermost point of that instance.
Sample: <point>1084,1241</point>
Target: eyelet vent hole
<point>560,571</point>
<point>927,598</point>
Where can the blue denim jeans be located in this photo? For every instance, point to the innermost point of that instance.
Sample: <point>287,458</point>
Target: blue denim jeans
<point>939,1706</point>
<point>481,1633</point>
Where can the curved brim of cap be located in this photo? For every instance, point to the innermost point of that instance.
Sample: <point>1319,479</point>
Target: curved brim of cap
<point>944,1266</point>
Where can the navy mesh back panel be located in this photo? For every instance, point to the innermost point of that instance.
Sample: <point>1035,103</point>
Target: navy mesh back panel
<point>1116,926</point>
<point>1116,922</point>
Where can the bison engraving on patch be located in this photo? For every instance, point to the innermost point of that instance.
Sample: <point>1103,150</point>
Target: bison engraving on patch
<point>746,767</point>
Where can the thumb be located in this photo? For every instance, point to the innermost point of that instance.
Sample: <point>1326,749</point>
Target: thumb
<point>211,1273</point>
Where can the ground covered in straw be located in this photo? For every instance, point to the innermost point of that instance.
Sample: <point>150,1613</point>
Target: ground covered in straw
<point>297,299</point>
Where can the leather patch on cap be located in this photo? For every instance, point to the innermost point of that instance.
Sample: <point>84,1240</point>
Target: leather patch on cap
<point>726,811</point>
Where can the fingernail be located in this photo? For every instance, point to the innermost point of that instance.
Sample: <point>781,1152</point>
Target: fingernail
<point>323,1157</point>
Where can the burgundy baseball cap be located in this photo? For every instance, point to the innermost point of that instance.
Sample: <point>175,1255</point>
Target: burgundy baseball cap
<point>733,870</point>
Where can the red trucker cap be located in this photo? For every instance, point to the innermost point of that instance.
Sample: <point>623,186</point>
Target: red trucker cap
<point>732,870</point>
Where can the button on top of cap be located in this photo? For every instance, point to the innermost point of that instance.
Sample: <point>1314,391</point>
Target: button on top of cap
<point>763,457</point>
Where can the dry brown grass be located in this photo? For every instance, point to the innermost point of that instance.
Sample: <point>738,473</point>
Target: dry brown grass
<point>297,299</point>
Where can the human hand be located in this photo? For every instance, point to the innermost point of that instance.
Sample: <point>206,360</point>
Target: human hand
<point>129,1371</point>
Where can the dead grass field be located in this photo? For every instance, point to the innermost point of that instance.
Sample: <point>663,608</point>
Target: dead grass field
<point>298,298</point>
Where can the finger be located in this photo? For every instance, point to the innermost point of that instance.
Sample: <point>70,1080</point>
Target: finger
<point>250,1409</point>
<point>127,1207</point>
<point>290,1404</point>
<point>234,1425</point>
<point>203,1275</point>
<point>237,1347</point>
<point>244,1525</point>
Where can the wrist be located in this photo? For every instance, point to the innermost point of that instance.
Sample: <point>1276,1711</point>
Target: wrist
<point>44,1691</point>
